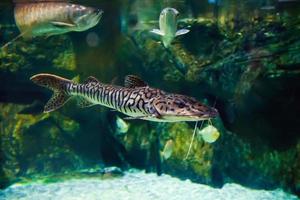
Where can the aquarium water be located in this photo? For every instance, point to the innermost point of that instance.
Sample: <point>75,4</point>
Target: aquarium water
<point>188,99</point>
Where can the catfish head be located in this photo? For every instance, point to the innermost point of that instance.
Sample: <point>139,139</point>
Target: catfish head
<point>175,108</point>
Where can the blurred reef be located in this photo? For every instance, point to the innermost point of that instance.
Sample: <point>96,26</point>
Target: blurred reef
<point>248,66</point>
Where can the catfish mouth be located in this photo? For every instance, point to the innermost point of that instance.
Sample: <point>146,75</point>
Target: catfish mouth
<point>211,113</point>
<point>195,116</point>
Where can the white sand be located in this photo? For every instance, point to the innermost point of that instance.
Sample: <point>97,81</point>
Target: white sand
<point>135,186</point>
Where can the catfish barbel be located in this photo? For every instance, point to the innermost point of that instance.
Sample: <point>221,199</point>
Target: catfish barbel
<point>136,99</point>
<point>46,18</point>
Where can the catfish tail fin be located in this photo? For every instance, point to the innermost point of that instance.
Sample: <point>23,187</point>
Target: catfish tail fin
<point>58,85</point>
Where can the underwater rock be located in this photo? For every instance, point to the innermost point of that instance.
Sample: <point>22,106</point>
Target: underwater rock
<point>231,158</point>
<point>33,56</point>
<point>143,146</point>
<point>4,182</point>
<point>112,172</point>
<point>198,164</point>
<point>255,165</point>
<point>184,59</point>
<point>22,58</point>
<point>65,60</point>
<point>36,143</point>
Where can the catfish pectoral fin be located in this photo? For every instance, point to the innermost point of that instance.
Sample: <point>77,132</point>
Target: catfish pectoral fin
<point>131,118</point>
<point>145,117</point>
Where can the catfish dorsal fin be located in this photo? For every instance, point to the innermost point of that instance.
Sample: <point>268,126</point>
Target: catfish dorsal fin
<point>132,81</point>
<point>91,79</point>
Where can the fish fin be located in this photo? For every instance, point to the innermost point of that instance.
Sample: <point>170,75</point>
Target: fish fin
<point>76,79</point>
<point>56,101</point>
<point>182,32</point>
<point>114,80</point>
<point>131,118</point>
<point>158,32</point>
<point>132,81</point>
<point>137,117</point>
<point>63,24</point>
<point>56,84</point>
<point>157,115</point>
<point>27,34</point>
<point>84,103</point>
<point>91,79</point>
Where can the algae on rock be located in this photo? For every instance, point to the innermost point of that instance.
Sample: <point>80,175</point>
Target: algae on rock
<point>140,140</point>
<point>33,56</point>
<point>36,143</point>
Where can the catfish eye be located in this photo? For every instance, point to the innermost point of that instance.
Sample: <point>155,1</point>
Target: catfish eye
<point>180,105</point>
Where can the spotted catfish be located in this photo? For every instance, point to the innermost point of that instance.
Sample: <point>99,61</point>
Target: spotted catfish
<point>136,99</point>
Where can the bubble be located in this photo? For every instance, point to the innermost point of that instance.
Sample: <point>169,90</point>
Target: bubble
<point>92,39</point>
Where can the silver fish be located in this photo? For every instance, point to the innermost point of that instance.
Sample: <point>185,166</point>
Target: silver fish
<point>166,153</point>
<point>209,134</point>
<point>136,99</point>
<point>270,7</point>
<point>54,17</point>
<point>121,125</point>
<point>168,26</point>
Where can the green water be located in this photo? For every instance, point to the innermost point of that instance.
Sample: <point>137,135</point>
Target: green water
<point>241,57</point>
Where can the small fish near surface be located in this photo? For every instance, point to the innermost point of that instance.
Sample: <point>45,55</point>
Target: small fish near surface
<point>53,17</point>
<point>136,100</point>
<point>168,26</point>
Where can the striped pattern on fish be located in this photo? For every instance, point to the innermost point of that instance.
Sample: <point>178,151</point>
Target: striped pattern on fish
<point>126,100</point>
<point>136,99</point>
